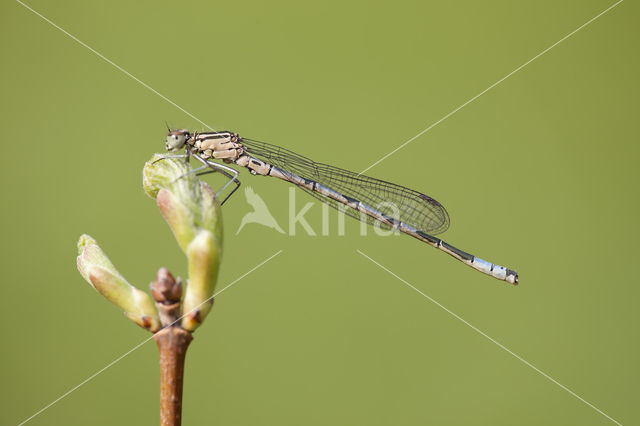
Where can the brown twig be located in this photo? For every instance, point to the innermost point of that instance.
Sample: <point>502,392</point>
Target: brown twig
<point>172,343</point>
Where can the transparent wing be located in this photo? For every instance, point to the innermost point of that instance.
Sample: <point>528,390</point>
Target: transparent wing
<point>401,203</point>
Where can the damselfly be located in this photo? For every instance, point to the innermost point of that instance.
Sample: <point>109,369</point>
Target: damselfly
<point>365,198</point>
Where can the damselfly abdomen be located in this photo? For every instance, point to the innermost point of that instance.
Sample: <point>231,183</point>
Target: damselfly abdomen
<point>359,196</point>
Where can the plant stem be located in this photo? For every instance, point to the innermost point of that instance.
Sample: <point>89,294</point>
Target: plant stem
<point>173,342</point>
<point>172,345</point>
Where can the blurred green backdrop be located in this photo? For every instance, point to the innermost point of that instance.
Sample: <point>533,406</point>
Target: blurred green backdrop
<point>539,174</point>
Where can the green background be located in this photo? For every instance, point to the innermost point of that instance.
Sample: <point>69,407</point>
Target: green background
<point>539,174</point>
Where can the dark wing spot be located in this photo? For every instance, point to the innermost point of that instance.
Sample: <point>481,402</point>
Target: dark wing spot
<point>429,199</point>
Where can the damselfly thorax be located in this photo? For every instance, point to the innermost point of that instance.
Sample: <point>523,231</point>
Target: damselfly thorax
<point>362,197</point>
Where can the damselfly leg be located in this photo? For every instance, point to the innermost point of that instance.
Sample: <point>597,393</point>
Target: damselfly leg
<point>229,172</point>
<point>185,156</point>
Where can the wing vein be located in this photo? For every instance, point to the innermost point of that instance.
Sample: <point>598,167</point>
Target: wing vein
<point>401,203</point>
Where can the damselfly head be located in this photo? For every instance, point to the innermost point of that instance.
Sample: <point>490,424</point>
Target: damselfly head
<point>176,139</point>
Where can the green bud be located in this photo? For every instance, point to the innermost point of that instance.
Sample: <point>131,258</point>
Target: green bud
<point>98,270</point>
<point>161,172</point>
<point>180,218</point>
<point>193,213</point>
<point>186,204</point>
<point>212,215</point>
<point>204,261</point>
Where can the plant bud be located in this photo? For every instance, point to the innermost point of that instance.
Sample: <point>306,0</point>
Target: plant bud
<point>98,270</point>
<point>204,261</point>
<point>194,216</point>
